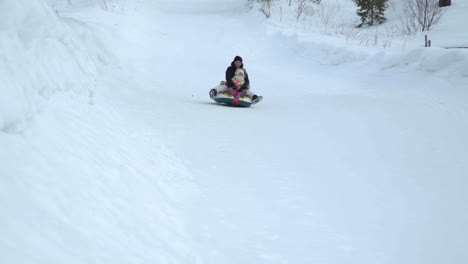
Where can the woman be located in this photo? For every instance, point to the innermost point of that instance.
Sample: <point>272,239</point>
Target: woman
<point>236,64</point>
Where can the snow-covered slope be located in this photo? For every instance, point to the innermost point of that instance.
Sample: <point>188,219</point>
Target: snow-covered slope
<point>78,182</point>
<point>357,154</point>
<point>42,55</point>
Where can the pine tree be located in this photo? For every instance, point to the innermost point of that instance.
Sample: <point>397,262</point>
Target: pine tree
<point>371,11</point>
<point>363,10</point>
<point>380,6</point>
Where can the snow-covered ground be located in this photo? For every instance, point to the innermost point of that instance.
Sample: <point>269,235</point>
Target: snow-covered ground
<point>112,152</point>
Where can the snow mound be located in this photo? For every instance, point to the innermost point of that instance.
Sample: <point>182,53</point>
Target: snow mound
<point>42,55</point>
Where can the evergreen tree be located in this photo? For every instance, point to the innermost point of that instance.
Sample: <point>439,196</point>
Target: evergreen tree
<point>371,11</point>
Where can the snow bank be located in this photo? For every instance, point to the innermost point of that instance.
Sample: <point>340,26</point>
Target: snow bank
<point>85,183</point>
<point>449,62</point>
<point>42,55</point>
<point>327,36</point>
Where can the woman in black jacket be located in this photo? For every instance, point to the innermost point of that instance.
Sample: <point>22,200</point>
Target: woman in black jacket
<point>231,72</point>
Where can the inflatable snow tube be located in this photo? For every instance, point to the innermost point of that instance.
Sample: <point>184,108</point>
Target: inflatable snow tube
<point>224,98</point>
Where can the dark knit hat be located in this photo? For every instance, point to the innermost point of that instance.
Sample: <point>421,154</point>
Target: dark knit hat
<point>238,58</point>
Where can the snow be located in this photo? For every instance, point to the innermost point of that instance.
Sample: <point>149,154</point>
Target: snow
<point>112,152</point>
<point>37,47</point>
